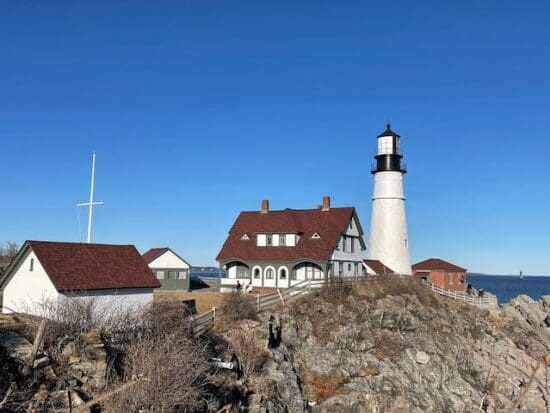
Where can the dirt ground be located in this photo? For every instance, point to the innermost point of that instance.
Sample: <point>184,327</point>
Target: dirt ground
<point>204,301</point>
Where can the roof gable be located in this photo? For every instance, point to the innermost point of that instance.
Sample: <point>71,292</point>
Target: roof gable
<point>329,224</point>
<point>437,264</point>
<point>76,266</point>
<point>155,254</point>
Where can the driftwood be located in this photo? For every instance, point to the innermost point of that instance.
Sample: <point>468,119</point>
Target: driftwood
<point>36,345</point>
<point>85,408</point>
<point>7,395</point>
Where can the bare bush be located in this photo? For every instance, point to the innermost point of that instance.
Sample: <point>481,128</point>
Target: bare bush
<point>74,317</point>
<point>168,369</point>
<point>171,374</point>
<point>250,354</point>
<point>8,251</point>
<point>239,306</point>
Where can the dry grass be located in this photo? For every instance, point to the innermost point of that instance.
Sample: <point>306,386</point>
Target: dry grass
<point>320,387</point>
<point>389,346</point>
<point>204,301</point>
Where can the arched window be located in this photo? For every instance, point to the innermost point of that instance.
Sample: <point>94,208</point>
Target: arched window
<point>257,273</point>
<point>282,274</point>
<point>269,274</point>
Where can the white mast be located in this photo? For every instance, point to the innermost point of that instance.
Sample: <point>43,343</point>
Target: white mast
<point>91,204</point>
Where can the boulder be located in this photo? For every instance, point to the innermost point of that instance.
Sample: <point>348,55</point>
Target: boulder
<point>422,358</point>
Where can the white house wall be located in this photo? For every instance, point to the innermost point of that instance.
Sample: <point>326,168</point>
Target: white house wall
<point>27,288</point>
<point>107,301</point>
<point>168,260</point>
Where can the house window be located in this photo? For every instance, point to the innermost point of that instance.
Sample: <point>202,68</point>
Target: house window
<point>349,266</point>
<point>31,267</point>
<point>242,272</point>
<point>269,240</point>
<point>245,237</point>
<point>172,275</point>
<point>282,274</point>
<point>352,245</point>
<point>257,273</point>
<point>269,274</point>
<point>182,275</point>
<point>282,240</point>
<point>315,236</point>
<point>160,275</point>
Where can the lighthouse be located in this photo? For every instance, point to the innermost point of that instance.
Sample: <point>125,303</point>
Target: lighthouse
<point>388,240</point>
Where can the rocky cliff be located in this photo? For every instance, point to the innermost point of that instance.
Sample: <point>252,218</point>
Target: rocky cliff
<point>400,348</point>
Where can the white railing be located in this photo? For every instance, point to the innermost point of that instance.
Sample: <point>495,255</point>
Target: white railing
<point>459,296</point>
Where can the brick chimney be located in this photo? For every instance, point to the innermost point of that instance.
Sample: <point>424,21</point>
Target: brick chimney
<point>326,203</point>
<point>265,206</point>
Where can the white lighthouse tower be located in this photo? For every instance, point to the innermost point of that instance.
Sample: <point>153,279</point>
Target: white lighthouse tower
<point>388,240</point>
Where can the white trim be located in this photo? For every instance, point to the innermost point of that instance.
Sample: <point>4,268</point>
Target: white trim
<point>270,282</point>
<point>281,282</point>
<point>257,282</point>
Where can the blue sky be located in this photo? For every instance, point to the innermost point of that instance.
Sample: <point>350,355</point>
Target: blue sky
<point>200,109</point>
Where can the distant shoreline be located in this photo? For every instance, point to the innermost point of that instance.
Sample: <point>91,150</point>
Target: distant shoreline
<point>504,275</point>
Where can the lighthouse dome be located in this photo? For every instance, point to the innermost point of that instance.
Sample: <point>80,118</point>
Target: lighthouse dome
<point>388,132</point>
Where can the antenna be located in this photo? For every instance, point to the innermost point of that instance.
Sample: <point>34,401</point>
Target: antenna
<point>91,204</point>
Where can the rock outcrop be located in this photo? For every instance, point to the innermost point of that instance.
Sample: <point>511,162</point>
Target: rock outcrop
<point>404,352</point>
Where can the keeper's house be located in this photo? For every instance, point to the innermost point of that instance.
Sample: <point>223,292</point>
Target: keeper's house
<point>441,273</point>
<point>43,271</point>
<point>170,269</point>
<point>281,248</point>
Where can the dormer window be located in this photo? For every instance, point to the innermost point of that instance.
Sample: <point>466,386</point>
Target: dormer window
<point>245,237</point>
<point>315,236</point>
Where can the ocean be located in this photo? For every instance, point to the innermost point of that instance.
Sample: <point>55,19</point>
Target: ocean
<point>506,287</point>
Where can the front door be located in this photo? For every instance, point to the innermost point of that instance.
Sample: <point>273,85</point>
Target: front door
<point>257,277</point>
<point>269,277</point>
<point>282,278</point>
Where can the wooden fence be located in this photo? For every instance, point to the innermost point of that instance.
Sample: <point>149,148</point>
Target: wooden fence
<point>204,322</point>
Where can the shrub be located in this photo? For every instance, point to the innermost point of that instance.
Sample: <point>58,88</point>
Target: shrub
<point>239,306</point>
<point>168,368</point>
<point>248,351</point>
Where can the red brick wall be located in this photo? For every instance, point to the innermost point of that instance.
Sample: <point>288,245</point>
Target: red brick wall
<point>446,280</point>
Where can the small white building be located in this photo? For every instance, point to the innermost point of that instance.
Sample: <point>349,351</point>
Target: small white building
<point>170,269</point>
<point>281,248</point>
<point>115,275</point>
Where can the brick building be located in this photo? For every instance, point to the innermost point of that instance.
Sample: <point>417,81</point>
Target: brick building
<point>441,273</point>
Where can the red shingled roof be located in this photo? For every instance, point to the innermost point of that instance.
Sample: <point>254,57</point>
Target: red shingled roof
<point>436,264</point>
<point>154,253</point>
<point>305,222</point>
<point>75,266</point>
<point>378,267</point>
